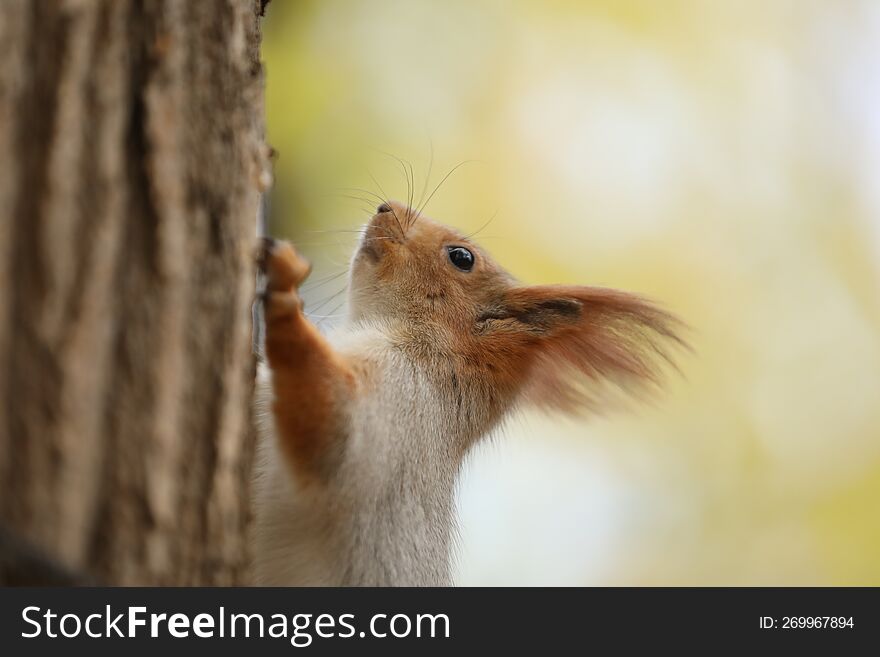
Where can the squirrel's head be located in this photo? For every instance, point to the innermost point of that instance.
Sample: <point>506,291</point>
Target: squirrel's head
<point>410,267</point>
<point>545,341</point>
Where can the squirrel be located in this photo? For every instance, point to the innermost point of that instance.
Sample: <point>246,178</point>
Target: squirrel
<point>362,433</point>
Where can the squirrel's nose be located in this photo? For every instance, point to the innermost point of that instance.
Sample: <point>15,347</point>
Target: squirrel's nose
<point>383,208</point>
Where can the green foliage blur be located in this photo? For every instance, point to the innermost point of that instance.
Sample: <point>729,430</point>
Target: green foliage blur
<point>719,157</point>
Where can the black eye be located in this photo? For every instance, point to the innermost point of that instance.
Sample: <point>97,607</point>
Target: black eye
<point>461,257</point>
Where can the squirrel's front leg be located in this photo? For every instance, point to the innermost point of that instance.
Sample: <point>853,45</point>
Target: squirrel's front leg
<point>312,384</point>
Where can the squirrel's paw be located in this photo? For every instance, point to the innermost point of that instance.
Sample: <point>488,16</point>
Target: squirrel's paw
<point>285,271</point>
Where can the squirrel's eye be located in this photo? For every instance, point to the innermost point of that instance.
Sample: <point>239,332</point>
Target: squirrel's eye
<point>461,257</point>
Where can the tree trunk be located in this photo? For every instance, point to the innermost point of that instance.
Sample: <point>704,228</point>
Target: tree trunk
<point>131,164</point>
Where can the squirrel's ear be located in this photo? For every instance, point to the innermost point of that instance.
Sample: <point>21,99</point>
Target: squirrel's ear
<point>557,342</point>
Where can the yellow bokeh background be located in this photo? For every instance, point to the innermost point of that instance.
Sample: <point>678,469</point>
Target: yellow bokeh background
<point>722,158</point>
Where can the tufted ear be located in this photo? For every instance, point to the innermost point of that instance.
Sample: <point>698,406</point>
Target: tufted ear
<point>555,343</point>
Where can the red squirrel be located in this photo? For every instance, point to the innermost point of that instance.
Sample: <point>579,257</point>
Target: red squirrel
<point>363,433</point>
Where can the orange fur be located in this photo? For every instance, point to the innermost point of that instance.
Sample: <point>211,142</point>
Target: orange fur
<point>312,385</point>
<point>545,343</point>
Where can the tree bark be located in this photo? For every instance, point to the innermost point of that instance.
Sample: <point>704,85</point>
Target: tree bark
<point>131,164</point>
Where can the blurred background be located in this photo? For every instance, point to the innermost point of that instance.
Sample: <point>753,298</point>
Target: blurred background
<point>720,157</point>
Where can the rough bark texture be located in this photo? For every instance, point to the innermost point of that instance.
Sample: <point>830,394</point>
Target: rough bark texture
<point>131,162</point>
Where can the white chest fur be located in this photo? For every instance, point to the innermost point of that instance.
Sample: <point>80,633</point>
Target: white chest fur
<point>386,515</point>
